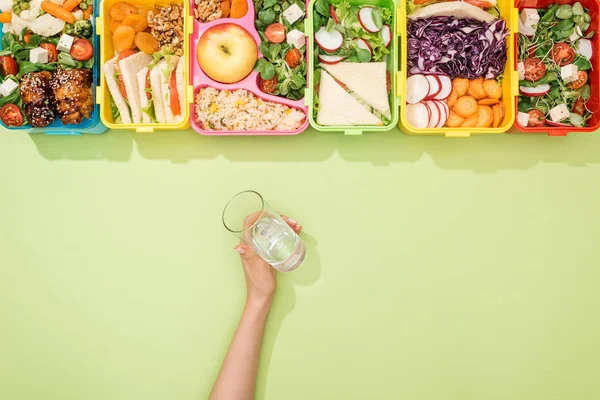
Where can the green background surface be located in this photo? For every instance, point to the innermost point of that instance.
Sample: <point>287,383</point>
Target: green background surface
<point>437,268</point>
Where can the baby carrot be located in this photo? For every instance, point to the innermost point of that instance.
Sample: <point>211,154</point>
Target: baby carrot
<point>6,17</point>
<point>70,5</point>
<point>58,12</point>
<point>87,13</point>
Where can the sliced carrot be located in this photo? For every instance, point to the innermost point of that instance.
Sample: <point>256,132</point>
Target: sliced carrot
<point>225,8</point>
<point>465,106</point>
<point>461,85</point>
<point>58,12</point>
<point>453,97</point>
<point>485,116</point>
<point>454,120</point>
<point>87,13</point>
<point>488,102</point>
<point>70,5</point>
<point>470,122</point>
<point>492,89</point>
<point>6,17</point>
<point>476,89</point>
<point>497,110</point>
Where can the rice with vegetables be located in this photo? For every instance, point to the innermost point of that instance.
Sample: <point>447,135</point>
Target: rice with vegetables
<point>240,110</point>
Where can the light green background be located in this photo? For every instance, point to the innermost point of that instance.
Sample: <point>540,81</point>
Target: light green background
<point>438,269</point>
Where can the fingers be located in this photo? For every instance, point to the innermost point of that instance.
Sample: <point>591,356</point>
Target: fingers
<point>296,227</point>
<point>251,219</point>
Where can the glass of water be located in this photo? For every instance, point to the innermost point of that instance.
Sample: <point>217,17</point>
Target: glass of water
<point>249,217</point>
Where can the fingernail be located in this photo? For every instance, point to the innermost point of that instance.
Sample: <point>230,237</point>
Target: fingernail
<point>240,250</point>
<point>293,221</point>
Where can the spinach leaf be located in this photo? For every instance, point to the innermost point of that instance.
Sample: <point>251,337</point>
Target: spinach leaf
<point>322,7</point>
<point>363,55</point>
<point>582,63</point>
<point>330,25</point>
<point>265,68</point>
<point>270,3</point>
<point>376,14</point>
<point>585,92</point>
<point>267,16</point>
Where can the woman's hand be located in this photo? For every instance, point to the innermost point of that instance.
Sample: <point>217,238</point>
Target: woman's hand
<point>260,276</point>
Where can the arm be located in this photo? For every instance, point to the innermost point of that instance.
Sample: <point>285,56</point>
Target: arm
<point>237,378</point>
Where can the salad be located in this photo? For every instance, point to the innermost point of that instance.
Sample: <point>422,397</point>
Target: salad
<point>282,69</point>
<point>554,50</point>
<point>352,77</point>
<point>457,54</point>
<point>46,62</point>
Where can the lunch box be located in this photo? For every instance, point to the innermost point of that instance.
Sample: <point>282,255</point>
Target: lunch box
<point>392,63</point>
<point>594,74</point>
<point>92,125</point>
<point>107,52</point>
<point>200,80</point>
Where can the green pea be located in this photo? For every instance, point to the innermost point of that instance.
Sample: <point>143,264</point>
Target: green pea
<point>16,9</point>
<point>564,11</point>
<point>25,6</point>
<point>42,12</point>
<point>83,6</point>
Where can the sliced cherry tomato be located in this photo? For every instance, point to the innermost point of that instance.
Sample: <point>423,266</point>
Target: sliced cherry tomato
<point>579,106</point>
<point>269,85</point>
<point>275,32</point>
<point>52,52</point>
<point>11,115</point>
<point>148,86</point>
<point>582,78</point>
<point>122,55</point>
<point>534,69</point>
<point>174,95</point>
<point>293,58</point>
<point>536,119</point>
<point>82,49</point>
<point>480,3</point>
<point>562,54</point>
<point>8,66</point>
<point>27,37</point>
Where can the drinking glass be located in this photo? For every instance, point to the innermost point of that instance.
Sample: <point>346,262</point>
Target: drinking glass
<point>248,216</point>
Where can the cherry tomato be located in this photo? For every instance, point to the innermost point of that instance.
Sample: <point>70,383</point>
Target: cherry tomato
<point>27,37</point>
<point>269,85</point>
<point>148,86</point>
<point>562,54</point>
<point>174,95</point>
<point>82,50</point>
<point>536,119</point>
<point>122,55</point>
<point>534,69</point>
<point>52,52</point>
<point>11,115</point>
<point>582,78</point>
<point>293,58</point>
<point>275,32</point>
<point>579,106</point>
<point>8,66</point>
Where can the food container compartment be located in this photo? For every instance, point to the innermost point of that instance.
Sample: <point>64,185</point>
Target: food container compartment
<point>392,67</point>
<point>108,52</point>
<point>594,73</point>
<point>510,83</point>
<point>201,80</point>
<point>92,125</point>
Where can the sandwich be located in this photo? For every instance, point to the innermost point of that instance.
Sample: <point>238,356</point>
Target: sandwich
<point>146,88</point>
<point>368,81</point>
<point>456,9</point>
<point>339,107</point>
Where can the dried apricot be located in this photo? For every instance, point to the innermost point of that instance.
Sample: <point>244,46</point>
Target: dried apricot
<point>119,11</point>
<point>144,9</point>
<point>123,38</point>
<point>225,8</point>
<point>114,24</point>
<point>137,22</point>
<point>239,8</point>
<point>146,42</point>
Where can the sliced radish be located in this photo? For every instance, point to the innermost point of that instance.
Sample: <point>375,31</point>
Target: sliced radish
<point>434,86</point>
<point>329,41</point>
<point>417,115</point>
<point>333,14</point>
<point>327,59</point>
<point>539,90</point>
<point>417,88</point>
<point>363,44</point>
<point>365,17</point>
<point>584,47</point>
<point>446,84</point>
<point>434,119</point>
<point>386,35</point>
<point>446,113</point>
<point>525,30</point>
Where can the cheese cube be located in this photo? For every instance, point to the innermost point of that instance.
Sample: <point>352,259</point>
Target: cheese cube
<point>523,119</point>
<point>521,68</point>
<point>296,39</point>
<point>8,87</point>
<point>530,17</point>
<point>38,55</point>
<point>293,13</point>
<point>568,73</point>
<point>559,113</point>
<point>65,43</point>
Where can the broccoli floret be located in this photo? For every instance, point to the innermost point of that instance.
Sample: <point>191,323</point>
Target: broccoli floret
<point>69,29</point>
<point>84,28</point>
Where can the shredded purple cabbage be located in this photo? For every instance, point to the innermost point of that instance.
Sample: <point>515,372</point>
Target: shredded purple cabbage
<point>465,48</point>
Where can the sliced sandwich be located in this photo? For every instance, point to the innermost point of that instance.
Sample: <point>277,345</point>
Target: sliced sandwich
<point>166,80</point>
<point>368,81</point>
<point>456,9</point>
<point>129,68</point>
<point>117,96</point>
<point>338,107</point>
